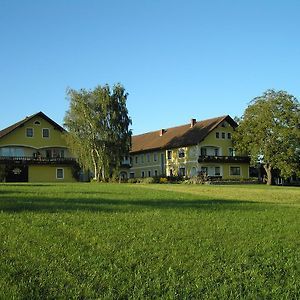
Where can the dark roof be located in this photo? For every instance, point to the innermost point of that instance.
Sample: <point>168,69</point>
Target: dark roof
<point>176,137</point>
<point>11,128</point>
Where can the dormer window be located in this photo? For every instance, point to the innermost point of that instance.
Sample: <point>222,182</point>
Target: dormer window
<point>29,132</point>
<point>181,153</point>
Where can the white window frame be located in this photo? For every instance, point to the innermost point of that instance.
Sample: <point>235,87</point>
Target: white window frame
<point>218,135</point>
<point>169,154</point>
<point>218,174</point>
<point>63,173</point>
<point>27,132</point>
<point>235,174</point>
<point>155,156</point>
<point>45,137</point>
<point>179,171</point>
<point>181,153</point>
<point>231,152</point>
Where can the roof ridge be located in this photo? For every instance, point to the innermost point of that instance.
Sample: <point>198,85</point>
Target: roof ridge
<point>187,124</point>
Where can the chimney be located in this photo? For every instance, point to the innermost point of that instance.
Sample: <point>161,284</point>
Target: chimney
<point>162,131</point>
<point>193,122</point>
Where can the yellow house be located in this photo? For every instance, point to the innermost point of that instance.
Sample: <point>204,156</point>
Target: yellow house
<point>203,146</point>
<point>34,150</point>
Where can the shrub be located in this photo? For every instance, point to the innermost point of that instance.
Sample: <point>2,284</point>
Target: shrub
<point>163,180</point>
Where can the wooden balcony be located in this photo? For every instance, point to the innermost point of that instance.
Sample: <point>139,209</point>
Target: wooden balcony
<point>223,159</point>
<point>30,160</point>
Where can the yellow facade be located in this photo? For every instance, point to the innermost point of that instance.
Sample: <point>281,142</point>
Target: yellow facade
<point>49,174</point>
<point>184,161</point>
<point>35,150</point>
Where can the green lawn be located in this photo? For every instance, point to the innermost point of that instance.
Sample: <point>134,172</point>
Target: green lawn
<point>111,241</point>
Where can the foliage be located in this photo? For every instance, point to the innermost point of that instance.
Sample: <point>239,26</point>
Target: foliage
<point>2,173</point>
<point>98,128</point>
<point>269,131</point>
<point>112,241</point>
<point>163,180</point>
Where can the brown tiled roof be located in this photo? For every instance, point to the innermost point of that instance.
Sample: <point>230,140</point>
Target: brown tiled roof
<point>176,137</point>
<point>11,128</point>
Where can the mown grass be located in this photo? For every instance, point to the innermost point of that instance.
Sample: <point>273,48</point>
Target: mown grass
<point>111,241</point>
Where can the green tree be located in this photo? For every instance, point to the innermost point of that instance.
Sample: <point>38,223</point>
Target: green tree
<point>269,132</point>
<point>98,128</point>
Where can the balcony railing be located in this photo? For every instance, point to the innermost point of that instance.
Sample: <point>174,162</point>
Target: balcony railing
<point>223,159</point>
<point>37,160</point>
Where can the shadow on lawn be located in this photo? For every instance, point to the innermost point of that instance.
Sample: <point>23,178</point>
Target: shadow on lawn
<point>17,201</point>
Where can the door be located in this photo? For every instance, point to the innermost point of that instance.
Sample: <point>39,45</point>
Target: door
<point>17,174</point>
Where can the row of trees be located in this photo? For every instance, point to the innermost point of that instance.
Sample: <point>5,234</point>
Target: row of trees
<point>98,130</point>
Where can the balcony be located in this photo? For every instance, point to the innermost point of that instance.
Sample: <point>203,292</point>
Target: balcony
<point>223,159</point>
<point>30,160</point>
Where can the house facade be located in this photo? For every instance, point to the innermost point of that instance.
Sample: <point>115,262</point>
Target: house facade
<point>34,150</point>
<point>203,146</point>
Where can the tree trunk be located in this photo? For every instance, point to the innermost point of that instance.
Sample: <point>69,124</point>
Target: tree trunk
<point>268,169</point>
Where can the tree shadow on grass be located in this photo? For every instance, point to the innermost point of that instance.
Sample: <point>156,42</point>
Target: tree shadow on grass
<point>18,201</point>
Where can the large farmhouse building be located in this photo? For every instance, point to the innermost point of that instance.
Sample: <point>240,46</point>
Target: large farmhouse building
<point>34,150</point>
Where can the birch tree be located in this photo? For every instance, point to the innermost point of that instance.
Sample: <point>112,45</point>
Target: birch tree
<point>98,128</point>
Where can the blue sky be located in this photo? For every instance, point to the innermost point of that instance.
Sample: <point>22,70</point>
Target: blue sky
<point>176,59</point>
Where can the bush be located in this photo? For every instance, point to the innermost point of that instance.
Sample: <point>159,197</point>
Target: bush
<point>146,180</point>
<point>163,180</point>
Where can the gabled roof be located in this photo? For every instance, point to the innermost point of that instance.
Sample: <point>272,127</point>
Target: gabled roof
<point>176,137</point>
<point>11,128</point>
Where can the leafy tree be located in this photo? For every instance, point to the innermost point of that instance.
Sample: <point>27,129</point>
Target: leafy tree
<point>269,132</point>
<point>98,128</point>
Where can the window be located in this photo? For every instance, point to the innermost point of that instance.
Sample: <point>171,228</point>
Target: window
<point>29,132</point>
<point>217,135</point>
<point>142,158</point>
<point>143,174</point>
<point>203,151</point>
<point>216,152</point>
<point>46,132</point>
<point>181,153</point>
<point>229,135</point>
<point>169,154</point>
<point>181,171</point>
<point>231,152</point>
<point>235,171</point>
<point>37,123</point>
<point>217,171</point>
<point>136,159</point>
<point>223,135</point>
<point>155,173</point>
<point>149,173</point>
<point>131,175</point>
<point>130,160</point>
<point>204,170</point>
<point>193,171</point>
<point>155,157</point>
<point>59,173</point>
<point>148,157</point>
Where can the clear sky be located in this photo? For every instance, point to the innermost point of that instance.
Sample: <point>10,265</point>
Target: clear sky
<point>177,59</point>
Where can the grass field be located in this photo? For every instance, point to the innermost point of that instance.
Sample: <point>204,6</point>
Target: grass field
<point>111,241</point>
